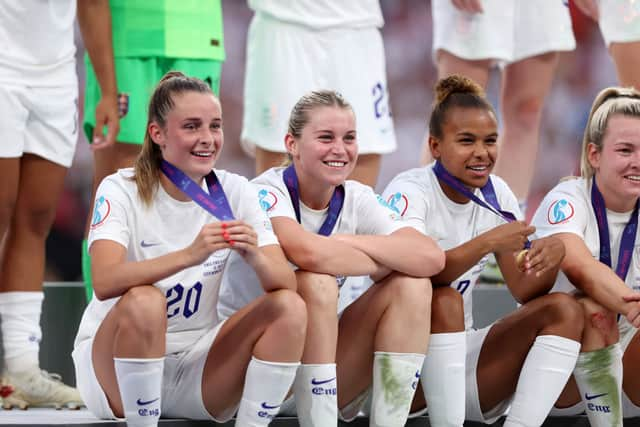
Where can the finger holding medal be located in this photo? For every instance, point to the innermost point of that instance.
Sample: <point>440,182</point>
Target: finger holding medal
<point>474,213</point>
<point>595,216</point>
<point>159,246</point>
<point>543,255</point>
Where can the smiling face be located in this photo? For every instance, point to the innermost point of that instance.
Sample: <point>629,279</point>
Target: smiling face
<point>192,136</point>
<point>468,147</point>
<point>617,164</point>
<point>326,150</point>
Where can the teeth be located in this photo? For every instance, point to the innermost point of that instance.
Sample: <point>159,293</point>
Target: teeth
<point>202,153</point>
<point>634,177</point>
<point>478,168</point>
<point>336,164</point>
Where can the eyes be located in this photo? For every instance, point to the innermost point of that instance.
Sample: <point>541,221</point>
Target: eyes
<point>328,137</point>
<point>470,139</point>
<point>196,125</point>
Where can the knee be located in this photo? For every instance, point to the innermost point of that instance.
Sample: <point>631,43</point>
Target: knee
<point>447,310</point>
<point>597,318</point>
<point>36,219</point>
<point>143,310</point>
<point>563,309</point>
<point>524,111</point>
<point>319,291</point>
<point>412,295</point>
<point>287,311</point>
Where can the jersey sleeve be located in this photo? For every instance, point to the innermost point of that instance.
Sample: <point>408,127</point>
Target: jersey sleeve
<point>275,201</point>
<point>406,198</point>
<point>561,211</point>
<point>109,219</point>
<point>375,216</point>
<point>253,212</point>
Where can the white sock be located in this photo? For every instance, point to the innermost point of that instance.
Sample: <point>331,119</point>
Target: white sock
<point>21,333</point>
<point>544,374</point>
<point>599,377</point>
<point>316,395</point>
<point>395,378</point>
<point>140,384</point>
<point>265,387</point>
<point>443,379</point>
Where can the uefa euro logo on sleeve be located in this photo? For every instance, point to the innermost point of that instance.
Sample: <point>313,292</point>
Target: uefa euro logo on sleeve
<point>101,211</point>
<point>560,211</point>
<point>267,200</point>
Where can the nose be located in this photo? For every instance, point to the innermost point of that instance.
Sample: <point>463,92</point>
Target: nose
<point>480,149</point>
<point>338,146</point>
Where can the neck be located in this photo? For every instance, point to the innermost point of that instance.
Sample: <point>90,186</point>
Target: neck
<point>615,202</point>
<point>174,191</point>
<point>314,196</point>
<point>453,194</point>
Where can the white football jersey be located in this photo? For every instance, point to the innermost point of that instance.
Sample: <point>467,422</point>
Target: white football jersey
<point>165,226</point>
<point>417,196</point>
<point>567,209</point>
<point>362,213</point>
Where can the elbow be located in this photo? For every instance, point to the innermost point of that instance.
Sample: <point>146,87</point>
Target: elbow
<point>304,257</point>
<point>434,261</point>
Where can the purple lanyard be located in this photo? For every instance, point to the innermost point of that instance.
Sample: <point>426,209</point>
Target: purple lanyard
<point>335,204</point>
<point>628,234</point>
<point>215,202</point>
<point>488,192</point>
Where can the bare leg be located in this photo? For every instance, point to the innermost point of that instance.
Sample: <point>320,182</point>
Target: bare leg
<point>525,85</point>
<point>268,159</point>
<point>40,185</point>
<point>392,315</point>
<point>627,59</point>
<point>270,328</point>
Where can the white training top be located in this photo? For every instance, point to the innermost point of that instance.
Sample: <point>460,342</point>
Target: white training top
<point>362,213</point>
<point>36,42</point>
<point>169,225</point>
<point>567,209</point>
<point>417,196</point>
<point>323,14</point>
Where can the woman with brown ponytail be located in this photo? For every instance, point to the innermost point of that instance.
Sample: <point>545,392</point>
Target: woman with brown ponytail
<point>150,342</point>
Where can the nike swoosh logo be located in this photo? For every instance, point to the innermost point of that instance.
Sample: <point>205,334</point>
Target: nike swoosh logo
<point>595,396</point>
<point>266,406</point>
<point>148,402</point>
<point>417,374</point>
<point>147,244</point>
<point>316,382</point>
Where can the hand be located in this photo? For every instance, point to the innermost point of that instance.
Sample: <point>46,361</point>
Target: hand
<point>509,237</point>
<point>588,7</point>
<point>243,239</point>
<point>106,115</point>
<point>633,314</point>
<point>211,238</point>
<point>543,255</point>
<point>471,6</point>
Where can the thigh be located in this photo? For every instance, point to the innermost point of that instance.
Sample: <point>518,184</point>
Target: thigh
<point>367,169</point>
<point>478,70</point>
<point>627,59</point>
<point>527,83</point>
<point>39,190</point>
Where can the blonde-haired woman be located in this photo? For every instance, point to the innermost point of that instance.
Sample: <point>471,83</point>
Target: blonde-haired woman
<point>150,342</point>
<point>333,229</point>
<point>596,217</point>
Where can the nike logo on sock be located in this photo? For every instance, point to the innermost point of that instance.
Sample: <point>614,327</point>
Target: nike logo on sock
<point>145,403</point>
<point>316,382</point>
<point>593,396</point>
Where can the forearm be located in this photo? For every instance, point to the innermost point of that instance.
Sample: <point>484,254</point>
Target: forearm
<point>414,255</point>
<point>94,18</point>
<point>273,275</point>
<point>602,285</point>
<point>113,280</point>
<point>459,260</point>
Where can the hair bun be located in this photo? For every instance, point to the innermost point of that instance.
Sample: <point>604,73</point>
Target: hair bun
<point>456,83</point>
